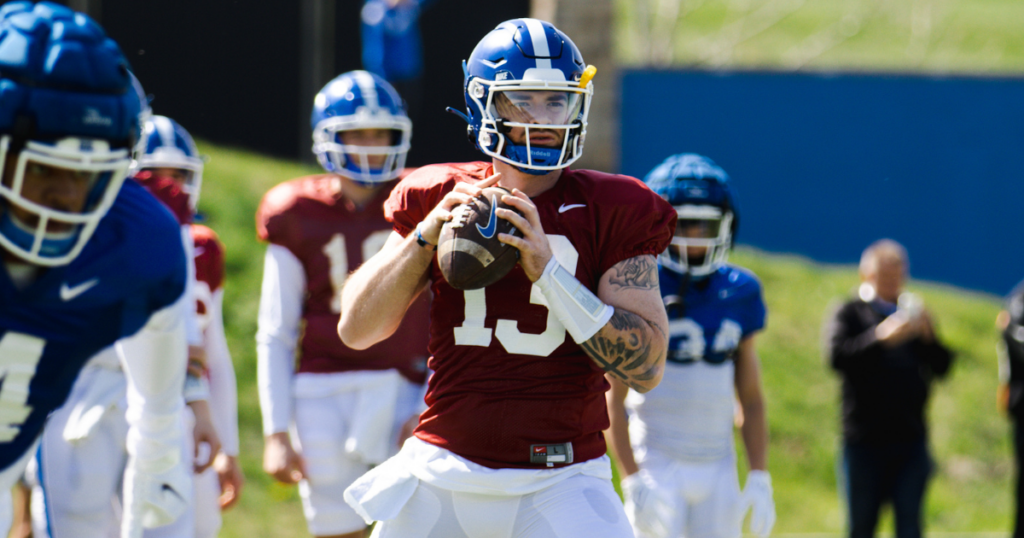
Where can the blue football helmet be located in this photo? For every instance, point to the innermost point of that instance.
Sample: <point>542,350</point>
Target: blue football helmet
<point>699,190</point>
<point>526,74</point>
<point>353,101</point>
<point>66,103</point>
<point>166,144</point>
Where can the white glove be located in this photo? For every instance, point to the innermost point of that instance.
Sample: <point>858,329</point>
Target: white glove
<point>153,500</point>
<point>757,495</point>
<point>648,507</point>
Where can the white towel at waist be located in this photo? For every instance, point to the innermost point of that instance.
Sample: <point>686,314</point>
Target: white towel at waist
<point>381,493</point>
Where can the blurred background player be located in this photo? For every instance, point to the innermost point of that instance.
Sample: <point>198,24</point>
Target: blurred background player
<point>511,443</point>
<point>79,465</point>
<point>393,48</point>
<point>883,345</point>
<point>170,157</point>
<point>676,452</point>
<point>1010,395</point>
<point>348,409</point>
<point>88,258</point>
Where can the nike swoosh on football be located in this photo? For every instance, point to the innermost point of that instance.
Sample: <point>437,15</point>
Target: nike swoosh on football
<point>565,207</point>
<point>68,293</point>
<point>492,222</point>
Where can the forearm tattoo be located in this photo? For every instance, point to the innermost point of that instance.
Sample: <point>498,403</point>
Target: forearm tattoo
<point>640,272</point>
<point>627,349</point>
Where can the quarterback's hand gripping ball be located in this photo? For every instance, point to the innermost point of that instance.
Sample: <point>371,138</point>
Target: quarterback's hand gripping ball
<point>468,250</point>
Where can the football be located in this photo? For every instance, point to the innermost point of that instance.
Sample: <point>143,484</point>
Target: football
<point>468,251</point>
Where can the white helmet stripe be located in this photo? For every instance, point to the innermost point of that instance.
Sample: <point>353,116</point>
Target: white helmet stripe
<point>368,89</point>
<point>166,131</point>
<point>540,43</point>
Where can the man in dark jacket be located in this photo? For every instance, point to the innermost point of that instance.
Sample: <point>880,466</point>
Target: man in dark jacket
<point>883,345</point>
<point>1010,395</point>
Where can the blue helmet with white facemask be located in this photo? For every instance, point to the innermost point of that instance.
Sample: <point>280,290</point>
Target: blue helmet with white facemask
<point>66,102</point>
<point>706,210</point>
<point>166,144</point>
<point>354,101</point>
<point>527,79</point>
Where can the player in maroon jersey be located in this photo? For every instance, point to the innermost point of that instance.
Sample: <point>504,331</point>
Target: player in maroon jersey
<point>511,442</point>
<point>347,406</point>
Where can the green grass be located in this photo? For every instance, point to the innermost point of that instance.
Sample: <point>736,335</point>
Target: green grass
<point>963,36</point>
<point>971,492</point>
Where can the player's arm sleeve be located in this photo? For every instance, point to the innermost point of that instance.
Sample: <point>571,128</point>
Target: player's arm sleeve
<point>284,286</point>
<point>223,388</point>
<point>194,335</point>
<point>154,361</point>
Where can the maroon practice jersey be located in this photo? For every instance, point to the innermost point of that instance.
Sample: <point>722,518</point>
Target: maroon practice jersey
<point>312,218</point>
<point>506,373</point>
<point>209,254</point>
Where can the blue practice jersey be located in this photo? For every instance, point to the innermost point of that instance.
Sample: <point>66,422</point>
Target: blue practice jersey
<point>132,266</point>
<point>716,314</point>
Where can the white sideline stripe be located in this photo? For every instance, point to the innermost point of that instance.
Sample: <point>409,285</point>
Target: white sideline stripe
<point>166,131</point>
<point>368,89</point>
<point>540,43</point>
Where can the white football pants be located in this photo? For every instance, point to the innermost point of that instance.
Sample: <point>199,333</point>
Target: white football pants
<point>707,496</point>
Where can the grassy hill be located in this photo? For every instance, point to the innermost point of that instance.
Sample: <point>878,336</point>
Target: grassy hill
<point>970,494</point>
<point>975,36</point>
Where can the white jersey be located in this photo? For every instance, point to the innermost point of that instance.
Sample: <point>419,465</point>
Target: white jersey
<point>689,415</point>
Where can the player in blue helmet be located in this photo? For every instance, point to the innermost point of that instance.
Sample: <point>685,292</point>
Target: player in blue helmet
<point>676,452</point>
<point>512,439</point>
<point>360,128</point>
<point>86,435</point>
<point>169,152</point>
<point>318,228</point>
<point>88,259</point>
<point>527,96</point>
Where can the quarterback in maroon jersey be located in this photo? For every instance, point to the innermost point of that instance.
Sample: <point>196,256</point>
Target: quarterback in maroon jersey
<point>511,442</point>
<point>346,407</point>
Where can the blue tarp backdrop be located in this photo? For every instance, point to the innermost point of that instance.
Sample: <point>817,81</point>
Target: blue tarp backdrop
<point>825,164</point>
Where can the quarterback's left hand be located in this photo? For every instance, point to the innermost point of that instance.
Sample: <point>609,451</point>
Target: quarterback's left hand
<point>757,494</point>
<point>534,249</point>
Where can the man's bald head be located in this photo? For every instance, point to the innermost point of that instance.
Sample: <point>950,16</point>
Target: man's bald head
<point>884,265</point>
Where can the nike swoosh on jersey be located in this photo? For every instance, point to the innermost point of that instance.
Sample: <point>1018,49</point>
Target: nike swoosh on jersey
<point>723,294</point>
<point>565,207</point>
<point>199,251</point>
<point>68,293</point>
<point>492,222</point>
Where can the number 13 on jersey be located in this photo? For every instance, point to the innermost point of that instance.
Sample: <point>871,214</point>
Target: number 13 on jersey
<point>473,333</point>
